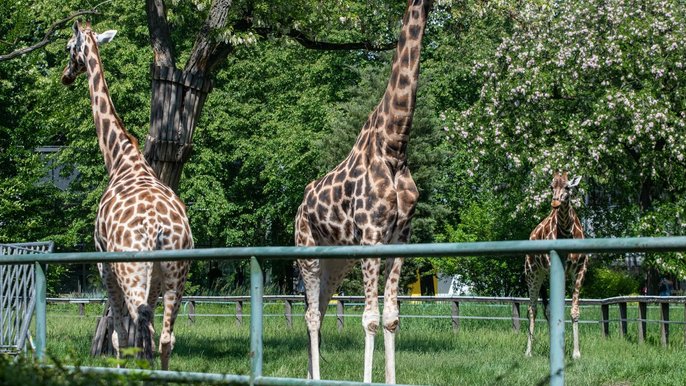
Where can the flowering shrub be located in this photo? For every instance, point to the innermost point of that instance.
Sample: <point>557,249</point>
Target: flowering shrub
<point>596,88</point>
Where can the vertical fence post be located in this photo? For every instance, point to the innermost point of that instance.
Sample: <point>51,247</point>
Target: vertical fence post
<point>605,323</point>
<point>41,319</point>
<point>515,316</point>
<point>288,312</point>
<point>82,309</point>
<point>642,316</point>
<point>191,311</point>
<point>256,293</point>
<point>684,325</point>
<point>557,322</point>
<point>455,311</point>
<point>664,323</point>
<point>622,319</point>
<point>340,314</point>
<point>239,313</point>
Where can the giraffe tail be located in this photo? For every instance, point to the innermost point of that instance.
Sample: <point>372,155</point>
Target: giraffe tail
<point>143,332</point>
<point>159,240</point>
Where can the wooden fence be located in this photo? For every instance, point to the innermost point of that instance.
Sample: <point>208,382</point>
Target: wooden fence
<point>622,302</point>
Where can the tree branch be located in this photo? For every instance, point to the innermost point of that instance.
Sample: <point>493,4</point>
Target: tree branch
<point>47,38</point>
<point>306,42</point>
<point>206,52</point>
<point>160,38</point>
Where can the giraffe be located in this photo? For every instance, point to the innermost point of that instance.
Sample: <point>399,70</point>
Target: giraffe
<point>367,199</point>
<point>561,223</point>
<point>137,212</point>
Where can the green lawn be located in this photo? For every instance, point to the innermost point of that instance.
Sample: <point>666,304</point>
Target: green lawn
<point>428,351</point>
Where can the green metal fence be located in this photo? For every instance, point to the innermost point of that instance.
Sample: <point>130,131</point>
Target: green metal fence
<point>557,249</point>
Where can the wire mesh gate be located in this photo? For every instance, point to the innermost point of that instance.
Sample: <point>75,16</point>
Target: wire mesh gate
<point>18,296</point>
<point>557,249</point>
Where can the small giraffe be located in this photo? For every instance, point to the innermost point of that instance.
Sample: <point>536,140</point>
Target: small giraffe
<point>137,212</point>
<point>367,199</point>
<point>561,223</point>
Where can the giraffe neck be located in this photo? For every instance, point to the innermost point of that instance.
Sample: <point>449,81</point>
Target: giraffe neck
<point>118,147</point>
<point>387,129</point>
<point>565,220</point>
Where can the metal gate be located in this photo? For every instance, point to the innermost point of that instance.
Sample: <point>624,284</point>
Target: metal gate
<point>18,296</point>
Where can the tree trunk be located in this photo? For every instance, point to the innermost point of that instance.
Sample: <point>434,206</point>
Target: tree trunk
<point>177,100</point>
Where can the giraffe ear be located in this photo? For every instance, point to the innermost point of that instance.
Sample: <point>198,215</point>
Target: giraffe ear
<point>574,182</point>
<point>106,36</point>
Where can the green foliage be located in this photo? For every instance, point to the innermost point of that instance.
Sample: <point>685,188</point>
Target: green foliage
<point>485,275</point>
<point>604,282</point>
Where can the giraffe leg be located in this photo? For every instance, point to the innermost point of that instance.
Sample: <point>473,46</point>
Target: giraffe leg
<point>534,277</point>
<point>175,274</point>
<point>579,272</point>
<point>310,271</point>
<point>391,314</point>
<point>370,315</point>
<point>116,303</point>
<point>136,297</point>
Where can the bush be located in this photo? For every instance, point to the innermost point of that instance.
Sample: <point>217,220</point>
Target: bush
<point>606,282</point>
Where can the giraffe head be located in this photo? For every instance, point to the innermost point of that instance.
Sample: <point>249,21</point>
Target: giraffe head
<point>563,188</point>
<point>77,50</point>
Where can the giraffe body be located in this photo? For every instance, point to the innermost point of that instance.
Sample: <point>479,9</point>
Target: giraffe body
<point>561,223</point>
<point>137,212</point>
<point>368,199</point>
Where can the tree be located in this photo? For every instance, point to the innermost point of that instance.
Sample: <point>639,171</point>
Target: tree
<point>595,88</point>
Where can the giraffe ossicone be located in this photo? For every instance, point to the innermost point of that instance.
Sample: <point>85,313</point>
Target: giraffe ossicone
<point>367,199</point>
<point>561,223</point>
<point>137,212</point>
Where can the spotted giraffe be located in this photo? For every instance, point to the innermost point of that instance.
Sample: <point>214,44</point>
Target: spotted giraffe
<point>561,223</point>
<point>368,199</point>
<point>137,212</point>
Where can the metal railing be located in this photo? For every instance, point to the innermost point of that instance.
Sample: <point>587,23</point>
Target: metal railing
<point>556,248</point>
<point>17,296</point>
<point>340,302</point>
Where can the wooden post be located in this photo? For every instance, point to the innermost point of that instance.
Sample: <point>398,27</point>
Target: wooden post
<point>239,312</point>
<point>340,314</point>
<point>455,308</point>
<point>288,312</point>
<point>191,311</point>
<point>622,319</point>
<point>664,323</point>
<point>642,316</point>
<point>82,310</point>
<point>515,316</point>
<point>605,323</point>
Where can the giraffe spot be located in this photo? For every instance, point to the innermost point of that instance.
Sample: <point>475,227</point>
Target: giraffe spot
<point>337,193</point>
<point>348,188</point>
<point>361,218</point>
<point>394,78</point>
<point>96,80</point>
<point>401,102</point>
<point>415,14</point>
<point>403,81</point>
<point>415,30</point>
<point>325,197</point>
<point>322,211</point>
<point>401,41</point>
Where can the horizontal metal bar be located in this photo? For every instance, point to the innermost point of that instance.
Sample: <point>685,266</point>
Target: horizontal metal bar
<point>518,247</point>
<point>405,298</point>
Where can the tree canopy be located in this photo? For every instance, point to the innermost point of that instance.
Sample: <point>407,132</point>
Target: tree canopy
<point>509,92</point>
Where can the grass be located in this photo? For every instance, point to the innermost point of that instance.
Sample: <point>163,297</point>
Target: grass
<point>427,349</point>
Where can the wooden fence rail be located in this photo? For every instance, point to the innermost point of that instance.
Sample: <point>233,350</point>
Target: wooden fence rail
<point>621,302</point>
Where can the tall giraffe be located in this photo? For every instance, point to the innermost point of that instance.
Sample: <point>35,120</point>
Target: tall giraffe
<point>367,199</point>
<point>137,212</point>
<point>561,223</point>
